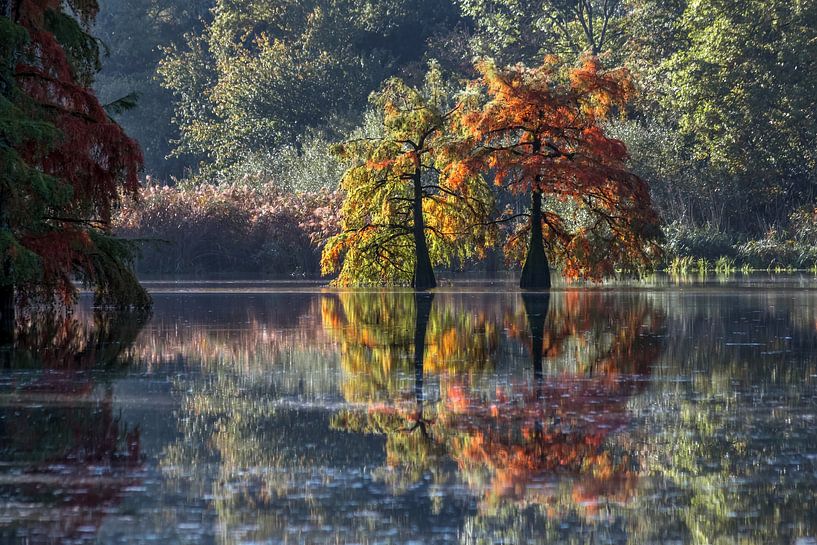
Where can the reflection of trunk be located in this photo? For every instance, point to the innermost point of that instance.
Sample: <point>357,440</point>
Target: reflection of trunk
<point>422,302</point>
<point>536,272</point>
<point>423,272</point>
<point>536,309</point>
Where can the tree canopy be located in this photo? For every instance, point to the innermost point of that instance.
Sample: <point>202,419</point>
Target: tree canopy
<point>526,30</point>
<point>64,161</point>
<point>403,212</point>
<point>745,92</point>
<point>261,73</point>
<point>540,133</point>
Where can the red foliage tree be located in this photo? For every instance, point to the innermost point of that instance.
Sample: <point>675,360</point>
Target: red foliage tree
<point>540,133</point>
<point>57,216</point>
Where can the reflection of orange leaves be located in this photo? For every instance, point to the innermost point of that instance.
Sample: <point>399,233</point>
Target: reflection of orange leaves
<point>618,485</point>
<point>455,398</point>
<point>450,342</point>
<point>383,409</point>
<point>330,314</point>
<point>366,338</point>
<point>517,436</point>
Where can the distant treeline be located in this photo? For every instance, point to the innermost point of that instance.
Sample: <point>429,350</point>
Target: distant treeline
<point>723,127</point>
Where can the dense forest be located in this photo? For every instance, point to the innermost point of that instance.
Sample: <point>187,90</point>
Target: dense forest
<point>719,124</point>
<point>380,140</point>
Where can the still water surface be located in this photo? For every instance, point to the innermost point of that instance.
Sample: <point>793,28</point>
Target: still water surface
<point>286,413</point>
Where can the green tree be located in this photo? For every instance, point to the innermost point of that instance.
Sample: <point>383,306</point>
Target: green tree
<point>744,88</point>
<point>262,73</point>
<point>403,213</point>
<point>513,31</point>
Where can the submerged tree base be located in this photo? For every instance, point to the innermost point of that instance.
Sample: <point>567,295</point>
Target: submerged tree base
<point>535,274</point>
<point>424,279</point>
<point>536,271</point>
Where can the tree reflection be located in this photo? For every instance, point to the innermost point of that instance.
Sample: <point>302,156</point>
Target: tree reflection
<point>564,424</point>
<point>507,437</point>
<point>376,334</point>
<point>58,426</point>
<point>588,415</point>
<point>731,449</point>
<point>388,342</point>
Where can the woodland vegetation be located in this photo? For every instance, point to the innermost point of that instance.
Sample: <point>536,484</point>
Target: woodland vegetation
<point>381,139</point>
<point>718,121</point>
<point>65,163</point>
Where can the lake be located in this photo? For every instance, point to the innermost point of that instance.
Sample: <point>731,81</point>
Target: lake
<point>663,411</point>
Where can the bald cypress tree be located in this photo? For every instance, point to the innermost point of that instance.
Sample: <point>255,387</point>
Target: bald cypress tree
<point>63,163</point>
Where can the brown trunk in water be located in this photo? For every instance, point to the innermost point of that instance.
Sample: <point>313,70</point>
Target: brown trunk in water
<point>6,315</point>
<point>535,272</point>
<point>422,304</point>
<point>536,309</point>
<point>423,272</point>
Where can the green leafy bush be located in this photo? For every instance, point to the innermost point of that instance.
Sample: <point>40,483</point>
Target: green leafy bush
<point>702,242</point>
<point>775,251</point>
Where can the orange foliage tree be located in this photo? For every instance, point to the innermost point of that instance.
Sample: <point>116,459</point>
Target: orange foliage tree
<point>540,132</point>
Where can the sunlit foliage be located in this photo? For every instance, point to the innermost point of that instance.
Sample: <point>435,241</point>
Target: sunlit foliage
<point>261,73</point>
<point>745,93</point>
<point>402,213</point>
<point>525,30</point>
<point>540,133</point>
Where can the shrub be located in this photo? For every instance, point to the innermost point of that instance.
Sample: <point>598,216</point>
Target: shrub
<point>725,265</point>
<point>777,252</point>
<point>229,229</point>
<point>803,226</point>
<point>702,242</point>
<point>681,265</point>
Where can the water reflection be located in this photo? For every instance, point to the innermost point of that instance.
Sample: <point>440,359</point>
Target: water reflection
<point>615,416</point>
<point>67,458</point>
<point>518,438</point>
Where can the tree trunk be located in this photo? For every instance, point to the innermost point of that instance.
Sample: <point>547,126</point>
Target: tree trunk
<point>422,304</point>
<point>536,309</point>
<point>423,272</point>
<point>535,272</point>
<point>6,315</point>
